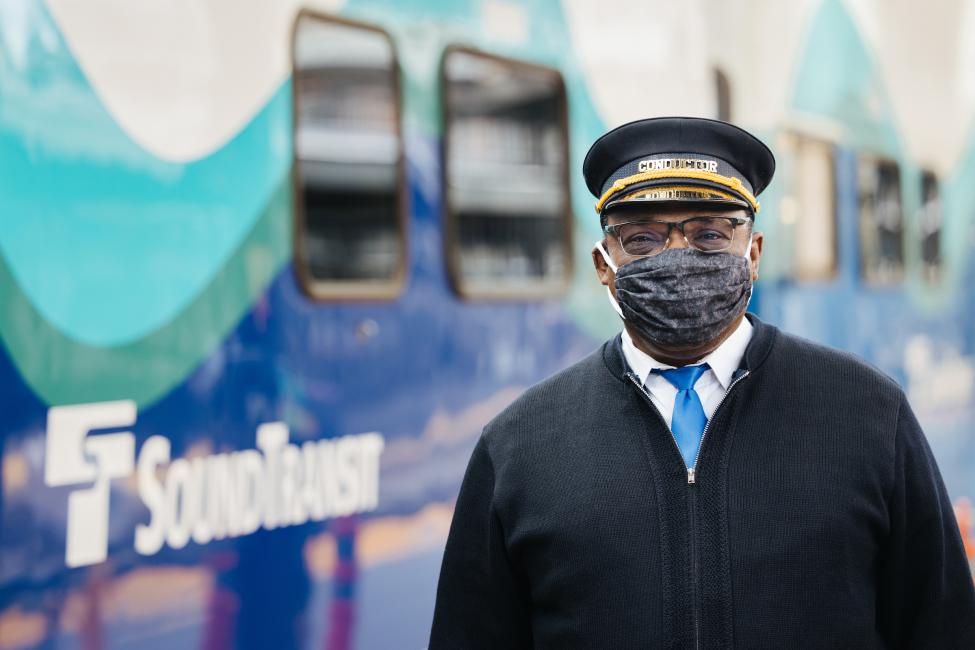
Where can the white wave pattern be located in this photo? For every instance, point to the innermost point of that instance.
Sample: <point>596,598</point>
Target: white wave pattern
<point>182,77</point>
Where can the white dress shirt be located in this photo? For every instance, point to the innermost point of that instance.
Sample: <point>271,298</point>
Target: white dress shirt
<point>711,386</point>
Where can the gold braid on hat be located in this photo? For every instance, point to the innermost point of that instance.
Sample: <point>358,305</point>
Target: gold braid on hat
<point>727,181</point>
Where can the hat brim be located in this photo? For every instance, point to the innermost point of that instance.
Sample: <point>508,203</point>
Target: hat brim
<point>669,192</point>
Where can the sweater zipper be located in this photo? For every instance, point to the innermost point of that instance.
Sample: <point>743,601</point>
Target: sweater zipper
<point>695,579</point>
<point>692,495</point>
<point>691,474</point>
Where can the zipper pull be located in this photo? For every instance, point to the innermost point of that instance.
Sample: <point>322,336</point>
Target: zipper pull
<point>690,476</point>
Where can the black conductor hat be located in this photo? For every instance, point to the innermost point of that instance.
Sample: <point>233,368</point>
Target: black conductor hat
<point>671,159</point>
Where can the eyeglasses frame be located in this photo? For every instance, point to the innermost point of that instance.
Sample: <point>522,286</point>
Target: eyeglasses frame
<point>611,229</point>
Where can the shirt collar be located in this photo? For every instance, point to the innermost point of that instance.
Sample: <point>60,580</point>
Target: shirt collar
<point>724,360</point>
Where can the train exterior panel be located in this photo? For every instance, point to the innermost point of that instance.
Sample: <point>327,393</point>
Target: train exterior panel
<point>266,270</point>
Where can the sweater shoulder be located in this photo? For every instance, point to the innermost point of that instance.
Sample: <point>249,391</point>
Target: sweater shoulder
<point>814,360</point>
<point>545,406</point>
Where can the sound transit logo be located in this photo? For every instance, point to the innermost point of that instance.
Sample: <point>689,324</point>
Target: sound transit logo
<point>204,498</point>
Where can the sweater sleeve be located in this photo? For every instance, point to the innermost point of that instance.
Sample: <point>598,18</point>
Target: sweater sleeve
<point>482,601</point>
<point>926,598</point>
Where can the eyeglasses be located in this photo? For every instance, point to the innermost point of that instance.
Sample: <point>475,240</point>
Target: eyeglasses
<point>649,236</point>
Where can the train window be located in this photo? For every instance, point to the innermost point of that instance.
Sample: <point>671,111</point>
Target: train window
<point>506,177</point>
<point>808,208</point>
<point>722,93</point>
<point>881,220</point>
<point>929,223</point>
<point>349,234</point>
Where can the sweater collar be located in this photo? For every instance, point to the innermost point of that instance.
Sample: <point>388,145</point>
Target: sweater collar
<point>723,360</point>
<point>763,337</point>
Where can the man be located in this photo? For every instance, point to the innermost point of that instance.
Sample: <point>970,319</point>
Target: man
<point>703,480</point>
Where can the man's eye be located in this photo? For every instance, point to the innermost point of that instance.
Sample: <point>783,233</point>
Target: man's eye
<point>710,235</point>
<point>643,238</point>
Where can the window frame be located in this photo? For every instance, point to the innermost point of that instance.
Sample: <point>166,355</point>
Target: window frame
<point>326,291</point>
<point>722,93</point>
<point>879,159</point>
<point>544,290</point>
<point>801,138</point>
<point>923,174</point>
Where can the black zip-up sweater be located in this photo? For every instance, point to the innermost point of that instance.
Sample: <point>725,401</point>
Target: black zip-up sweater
<point>817,517</point>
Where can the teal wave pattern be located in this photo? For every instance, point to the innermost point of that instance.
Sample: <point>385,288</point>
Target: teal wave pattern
<point>101,272</point>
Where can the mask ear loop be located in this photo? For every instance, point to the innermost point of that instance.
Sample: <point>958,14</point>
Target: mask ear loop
<point>609,262</point>
<point>748,257</point>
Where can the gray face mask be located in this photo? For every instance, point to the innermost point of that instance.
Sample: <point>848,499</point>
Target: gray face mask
<point>682,297</point>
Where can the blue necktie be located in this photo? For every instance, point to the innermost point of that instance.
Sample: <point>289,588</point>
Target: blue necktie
<point>689,419</point>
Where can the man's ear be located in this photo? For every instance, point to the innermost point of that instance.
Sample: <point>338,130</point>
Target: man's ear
<point>755,253</point>
<point>603,272</point>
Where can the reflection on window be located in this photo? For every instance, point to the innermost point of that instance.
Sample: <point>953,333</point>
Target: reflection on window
<point>881,220</point>
<point>722,91</point>
<point>347,151</point>
<point>808,208</point>
<point>506,176</point>
<point>929,222</point>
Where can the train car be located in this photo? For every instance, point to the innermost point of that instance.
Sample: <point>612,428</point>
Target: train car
<point>267,269</point>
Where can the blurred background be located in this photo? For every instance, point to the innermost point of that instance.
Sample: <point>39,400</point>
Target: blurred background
<point>267,268</point>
